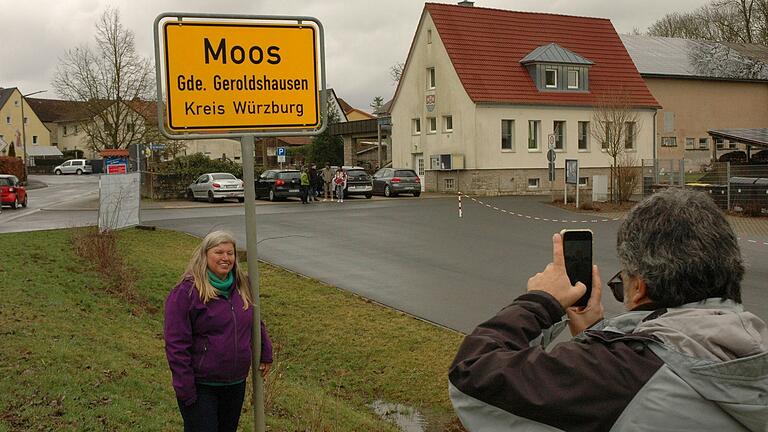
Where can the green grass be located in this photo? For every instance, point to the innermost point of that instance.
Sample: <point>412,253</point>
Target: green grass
<point>76,358</point>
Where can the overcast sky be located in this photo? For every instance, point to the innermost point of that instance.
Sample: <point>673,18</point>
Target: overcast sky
<point>363,38</point>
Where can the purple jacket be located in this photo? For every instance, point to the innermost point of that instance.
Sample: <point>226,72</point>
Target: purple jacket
<point>208,342</point>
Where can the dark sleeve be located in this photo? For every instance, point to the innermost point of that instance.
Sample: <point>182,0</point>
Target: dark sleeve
<point>266,345</point>
<point>577,386</point>
<point>177,331</point>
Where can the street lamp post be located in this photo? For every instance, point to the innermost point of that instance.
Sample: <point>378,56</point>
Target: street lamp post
<point>24,131</point>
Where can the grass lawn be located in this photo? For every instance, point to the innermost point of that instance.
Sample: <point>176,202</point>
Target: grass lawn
<point>76,356</point>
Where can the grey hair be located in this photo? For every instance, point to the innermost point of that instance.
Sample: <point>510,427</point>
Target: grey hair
<point>679,242</point>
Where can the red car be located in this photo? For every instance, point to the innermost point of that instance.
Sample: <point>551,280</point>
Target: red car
<point>12,193</point>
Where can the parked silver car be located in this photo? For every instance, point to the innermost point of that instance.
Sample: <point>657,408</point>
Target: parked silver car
<point>74,166</point>
<point>216,187</point>
<point>394,181</point>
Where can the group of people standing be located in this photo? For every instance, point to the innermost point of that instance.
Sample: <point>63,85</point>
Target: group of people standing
<point>325,181</point>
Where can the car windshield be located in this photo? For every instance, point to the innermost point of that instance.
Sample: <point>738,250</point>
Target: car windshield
<point>289,175</point>
<point>6,182</point>
<point>224,176</point>
<point>405,173</point>
<point>356,173</point>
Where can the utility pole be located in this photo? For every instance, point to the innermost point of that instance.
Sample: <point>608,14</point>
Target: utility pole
<point>24,131</point>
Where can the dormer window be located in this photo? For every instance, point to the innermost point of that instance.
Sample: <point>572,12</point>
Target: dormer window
<point>550,78</point>
<point>554,68</point>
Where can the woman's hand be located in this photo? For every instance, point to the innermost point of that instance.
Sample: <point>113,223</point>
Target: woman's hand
<point>580,318</point>
<point>264,368</point>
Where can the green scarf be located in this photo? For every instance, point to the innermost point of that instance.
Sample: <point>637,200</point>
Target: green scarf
<point>224,287</point>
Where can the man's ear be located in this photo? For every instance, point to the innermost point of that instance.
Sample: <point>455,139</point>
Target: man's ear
<point>640,296</point>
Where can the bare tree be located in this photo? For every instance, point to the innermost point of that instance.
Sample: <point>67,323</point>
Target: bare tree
<point>396,72</point>
<point>742,21</point>
<point>616,127</point>
<point>113,83</point>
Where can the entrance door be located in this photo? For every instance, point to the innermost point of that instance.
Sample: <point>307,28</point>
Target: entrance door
<point>418,165</point>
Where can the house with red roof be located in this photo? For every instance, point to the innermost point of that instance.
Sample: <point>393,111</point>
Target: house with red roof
<point>485,92</point>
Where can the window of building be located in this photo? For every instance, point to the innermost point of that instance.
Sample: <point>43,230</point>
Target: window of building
<point>65,129</point>
<point>703,143</point>
<point>430,78</point>
<point>533,183</point>
<point>34,139</point>
<point>8,120</point>
<point>75,129</point>
<point>429,36</point>
<point>432,123</point>
<point>731,144</point>
<point>25,120</point>
<point>534,130</point>
<point>629,135</point>
<point>583,135</point>
<point>669,141</point>
<point>583,181</point>
<point>449,185</point>
<point>447,123</point>
<point>720,143</point>
<point>558,128</point>
<point>550,78</point>
<point>690,143</point>
<point>416,126</point>
<point>15,103</point>
<point>669,121</point>
<point>508,135</point>
<point>573,79</point>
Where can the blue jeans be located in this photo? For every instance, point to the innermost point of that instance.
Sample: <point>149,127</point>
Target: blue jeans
<point>217,409</point>
<point>340,192</point>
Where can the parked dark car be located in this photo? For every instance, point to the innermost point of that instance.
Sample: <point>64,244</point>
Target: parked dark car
<point>12,192</point>
<point>276,184</point>
<point>394,181</point>
<point>358,182</point>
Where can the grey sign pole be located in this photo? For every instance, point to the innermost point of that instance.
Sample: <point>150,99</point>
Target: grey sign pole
<point>247,148</point>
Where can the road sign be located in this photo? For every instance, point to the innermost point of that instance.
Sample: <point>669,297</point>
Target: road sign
<point>551,155</point>
<point>572,171</point>
<point>551,141</point>
<point>280,151</point>
<point>240,75</point>
<point>281,159</point>
<point>551,171</point>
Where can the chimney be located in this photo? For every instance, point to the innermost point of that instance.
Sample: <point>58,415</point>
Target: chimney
<point>466,3</point>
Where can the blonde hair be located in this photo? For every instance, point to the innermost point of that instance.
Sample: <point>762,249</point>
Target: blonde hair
<point>198,266</point>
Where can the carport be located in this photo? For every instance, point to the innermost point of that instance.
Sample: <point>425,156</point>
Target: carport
<point>757,137</point>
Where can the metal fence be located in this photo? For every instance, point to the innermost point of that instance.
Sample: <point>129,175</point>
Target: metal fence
<point>738,187</point>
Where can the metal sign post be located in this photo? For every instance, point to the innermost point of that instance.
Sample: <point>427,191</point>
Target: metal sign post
<point>572,176</point>
<point>241,76</point>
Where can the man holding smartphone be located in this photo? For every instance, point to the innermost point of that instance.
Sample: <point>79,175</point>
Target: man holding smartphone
<point>685,356</point>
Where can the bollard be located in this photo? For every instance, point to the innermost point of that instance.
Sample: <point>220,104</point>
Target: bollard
<point>460,214</point>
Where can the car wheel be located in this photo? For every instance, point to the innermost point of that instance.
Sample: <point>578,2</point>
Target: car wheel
<point>211,199</point>
<point>15,203</point>
<point>387,191</point>
<point>24,203</point>
<point>417,194</point>
<point>272,196</point>
<point>79,172</point>
<point>57,172</point>
<point>240,200</point>
<point>190,195</point>
<point>368,196</point>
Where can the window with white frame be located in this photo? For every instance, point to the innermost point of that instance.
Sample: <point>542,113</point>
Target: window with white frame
<point>508,135</point>
<point>430,78</point>
<point>550,78</point>
<point>448,123</point>
<point>573,79</point>
<point>731,144</point>
<point>720,143</point>
<point>583,135</point>
<point>583,181</point>
<point>669,141</point>
<point>429,36</point>
<point>534,131</point>
<point>34,139</point>
<point>432,124</point>
<point>25,120</point>
<point>690,143</point>
<point>533,183</point>
<point>416,126</point>
<point>449,184</point>
<point>558,129</point>
<point>65,129</point>
<point>703,143</point>
<point>629,135</point>
<point>8,120</point>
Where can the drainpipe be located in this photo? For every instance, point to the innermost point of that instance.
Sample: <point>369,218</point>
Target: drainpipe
<point>655,171</point>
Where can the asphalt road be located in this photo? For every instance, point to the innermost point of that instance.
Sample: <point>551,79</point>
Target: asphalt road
<point>415,255</point>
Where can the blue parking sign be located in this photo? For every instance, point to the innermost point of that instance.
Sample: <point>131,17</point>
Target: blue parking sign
<point>281,151</point>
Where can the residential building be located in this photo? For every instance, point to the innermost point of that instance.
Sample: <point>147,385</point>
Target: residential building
<point>353,113</point>
<point>15,127</point>
<point>483,92</point>
<point>701,86</point>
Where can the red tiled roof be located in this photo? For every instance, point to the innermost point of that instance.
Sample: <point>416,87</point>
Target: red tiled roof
<point>54,110</point>
<point>486,46</point>
<point>295,140</point>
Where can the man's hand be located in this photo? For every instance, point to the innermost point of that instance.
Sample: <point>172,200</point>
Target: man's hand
<point>554,279</point>
<point>580,318</point>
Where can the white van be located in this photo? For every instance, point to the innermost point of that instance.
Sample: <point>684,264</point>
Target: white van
<point>74,166</point>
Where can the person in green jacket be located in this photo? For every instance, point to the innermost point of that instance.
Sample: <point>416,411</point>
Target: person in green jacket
<point>304,185</point>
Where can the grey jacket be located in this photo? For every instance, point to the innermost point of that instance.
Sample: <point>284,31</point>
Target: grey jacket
<point>703,366</point>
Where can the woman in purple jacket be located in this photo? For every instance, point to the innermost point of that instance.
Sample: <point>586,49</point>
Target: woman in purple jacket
<point>208,324</point>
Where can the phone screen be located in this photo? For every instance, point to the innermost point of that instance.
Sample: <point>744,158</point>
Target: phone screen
<point>577,249</point>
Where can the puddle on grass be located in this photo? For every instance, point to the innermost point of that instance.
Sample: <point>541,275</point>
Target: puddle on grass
<point>408,419</point>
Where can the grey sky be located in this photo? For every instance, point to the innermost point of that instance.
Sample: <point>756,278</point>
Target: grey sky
<point>363,38</point>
